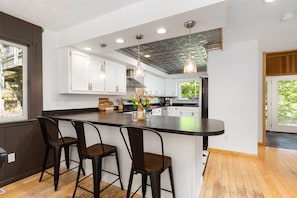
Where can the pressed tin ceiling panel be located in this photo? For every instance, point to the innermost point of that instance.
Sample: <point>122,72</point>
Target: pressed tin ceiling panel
<point>170,55</point>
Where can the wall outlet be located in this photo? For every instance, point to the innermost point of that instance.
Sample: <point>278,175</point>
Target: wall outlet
<point>11,157</point>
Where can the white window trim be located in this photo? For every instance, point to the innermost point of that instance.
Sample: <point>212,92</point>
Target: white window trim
<point>25,84</point>
<point>179,90</point>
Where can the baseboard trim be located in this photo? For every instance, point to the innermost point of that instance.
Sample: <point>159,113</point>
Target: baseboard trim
<point>233,153</point>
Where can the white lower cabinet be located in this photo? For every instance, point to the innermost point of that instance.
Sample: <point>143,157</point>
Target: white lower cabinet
<point>157,111</point>
<point>79,73</point>
<point>181,111</point>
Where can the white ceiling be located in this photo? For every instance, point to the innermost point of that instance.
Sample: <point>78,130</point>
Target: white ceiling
<point>240,19</point>
<point>60,14</point>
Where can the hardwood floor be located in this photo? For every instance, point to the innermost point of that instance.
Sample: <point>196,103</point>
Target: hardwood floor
<point>272,174</point>
<point>31,187</point>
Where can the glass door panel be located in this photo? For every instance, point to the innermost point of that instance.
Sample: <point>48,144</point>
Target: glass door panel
<point>284,104</point>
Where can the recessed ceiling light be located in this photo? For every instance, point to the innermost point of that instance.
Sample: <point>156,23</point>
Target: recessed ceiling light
<point>147,56</point>
<point>161,31</point>
<point>119,40</point>
<point>287,16</point>
<point>88,49</point>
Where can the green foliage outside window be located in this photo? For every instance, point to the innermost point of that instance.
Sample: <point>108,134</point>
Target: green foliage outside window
<point>190,89</point>
<point>287,102</point>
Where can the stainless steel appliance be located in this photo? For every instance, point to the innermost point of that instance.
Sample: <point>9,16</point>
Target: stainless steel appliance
<point>204,105</point>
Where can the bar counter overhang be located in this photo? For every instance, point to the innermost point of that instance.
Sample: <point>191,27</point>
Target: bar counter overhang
<point>182,138</point>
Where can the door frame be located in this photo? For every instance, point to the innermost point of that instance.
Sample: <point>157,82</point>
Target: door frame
<point>263,100</point>
<point>264,69</point>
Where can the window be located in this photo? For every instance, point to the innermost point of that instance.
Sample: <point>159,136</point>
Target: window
<point>189,90</point>
<point>13,82</point>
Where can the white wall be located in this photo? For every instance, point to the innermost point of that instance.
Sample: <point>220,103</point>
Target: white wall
<point>233,96</point>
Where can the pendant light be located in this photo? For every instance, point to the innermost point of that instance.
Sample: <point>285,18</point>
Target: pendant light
<point>190,66</point>
<point>139,68</point>
<point>102,71</point>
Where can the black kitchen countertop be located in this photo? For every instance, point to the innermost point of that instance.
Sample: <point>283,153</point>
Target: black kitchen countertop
<point>178,125</point>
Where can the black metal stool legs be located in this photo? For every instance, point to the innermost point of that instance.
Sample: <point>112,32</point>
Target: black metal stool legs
<point>57,156</point>
<point>130,183</point>
<point>77,178</point>
<point>96,175</point>
<point>156,185</point>
<point>144,182</point>
<point>66,150</point>
<point>171,181</point>
<point>44,163</point>
<point>118,167</point>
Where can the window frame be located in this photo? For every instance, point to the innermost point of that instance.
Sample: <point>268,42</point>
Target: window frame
<point>25,115</point>
<point>180,90</point>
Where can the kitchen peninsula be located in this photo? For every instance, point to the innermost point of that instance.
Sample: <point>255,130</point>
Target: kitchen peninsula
<point>182,138</point>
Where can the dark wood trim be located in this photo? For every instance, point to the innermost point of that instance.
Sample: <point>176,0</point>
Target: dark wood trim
<point>263,99</point>
<point>24,137</point>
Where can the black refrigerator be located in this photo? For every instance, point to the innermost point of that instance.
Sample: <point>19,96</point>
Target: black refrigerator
<point>204,105</point>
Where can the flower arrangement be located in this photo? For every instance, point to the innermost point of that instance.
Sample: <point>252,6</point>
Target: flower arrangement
<point>141,100</point>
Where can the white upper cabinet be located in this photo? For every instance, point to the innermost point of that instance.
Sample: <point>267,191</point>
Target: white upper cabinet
<point>120,76</point>
<point>160,86</point>
<point>170,87</point>
<point>97,82</point>
<point>110,85</point>
<point>80,73</point>
<point>154,85</point>
<point>115,81</point>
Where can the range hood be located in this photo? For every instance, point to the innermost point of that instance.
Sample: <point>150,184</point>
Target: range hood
<point>131,81</point>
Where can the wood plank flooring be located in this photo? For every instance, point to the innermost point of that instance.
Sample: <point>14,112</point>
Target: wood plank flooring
<point>273,174</point>
<point>31,187</point>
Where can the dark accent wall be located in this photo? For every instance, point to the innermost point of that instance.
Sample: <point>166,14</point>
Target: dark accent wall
<point>24,138</point>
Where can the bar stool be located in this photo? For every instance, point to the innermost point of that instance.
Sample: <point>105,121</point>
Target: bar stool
<point>96,153</point>
<point>144,163</point>
<point>54,140</point>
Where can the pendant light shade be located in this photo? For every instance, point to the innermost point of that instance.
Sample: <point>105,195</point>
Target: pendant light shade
<point>102,71</point>
<point>190,66</point>
<point>139,68</point>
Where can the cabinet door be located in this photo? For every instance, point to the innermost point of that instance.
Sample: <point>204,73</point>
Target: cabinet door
<point>79,78</point>
<point>160,86</point>
<point>186,113</point>
<point>97,81</point>
<point>150,81</point>
<point>120,79</point>
<point>170,87</point>
<point>110,85</point>
<point>147,83</point>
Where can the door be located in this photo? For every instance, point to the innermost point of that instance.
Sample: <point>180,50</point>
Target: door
<point>282,103</point>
